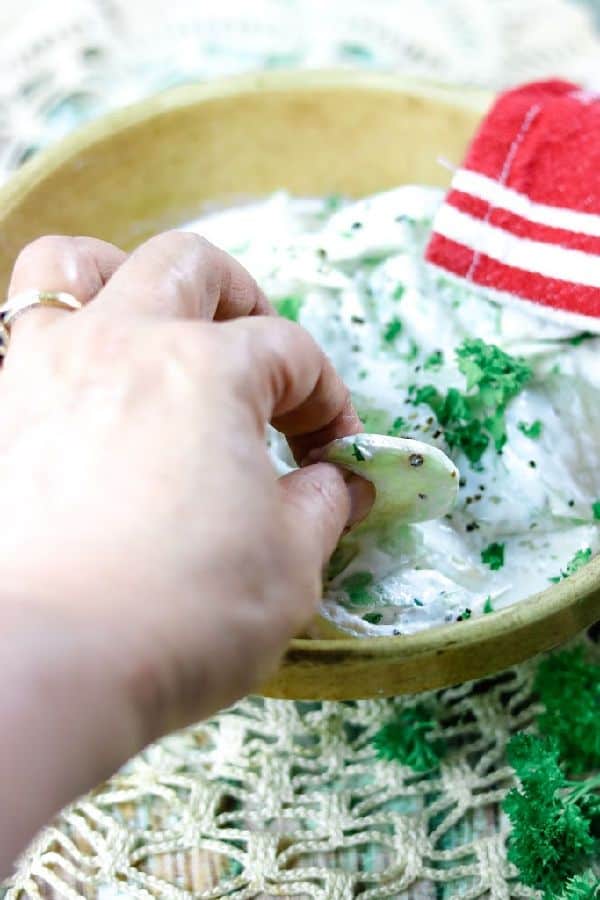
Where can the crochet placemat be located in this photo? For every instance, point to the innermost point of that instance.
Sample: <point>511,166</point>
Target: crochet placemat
<point>273,798</point>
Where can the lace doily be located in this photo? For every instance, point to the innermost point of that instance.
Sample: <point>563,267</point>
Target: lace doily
<point>276,799</point>
<point>63,63</point>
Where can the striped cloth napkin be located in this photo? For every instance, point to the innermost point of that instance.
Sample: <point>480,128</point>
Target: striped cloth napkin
<point>522,216</point>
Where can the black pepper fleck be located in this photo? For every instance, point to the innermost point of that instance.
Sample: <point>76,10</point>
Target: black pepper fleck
<point>571,503</point>
<point>356,225</point>
<point>415,459</point>
<point>532,463</point>
<point>462,482</point>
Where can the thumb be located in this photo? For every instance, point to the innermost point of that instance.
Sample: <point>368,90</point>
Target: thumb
<point>322,500</point>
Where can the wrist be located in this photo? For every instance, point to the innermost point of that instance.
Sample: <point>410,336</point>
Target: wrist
<point>67,724</point>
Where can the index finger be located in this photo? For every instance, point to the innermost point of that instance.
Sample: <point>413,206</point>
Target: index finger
<point>179,274</point>
<point>292,383</point>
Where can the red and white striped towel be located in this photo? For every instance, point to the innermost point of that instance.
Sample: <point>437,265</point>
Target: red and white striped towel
<point>522,216</point>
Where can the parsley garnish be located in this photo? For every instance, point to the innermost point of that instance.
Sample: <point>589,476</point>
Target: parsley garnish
<point>407,740</point>
<point>551,838</point>
<point>398,292</point>
<point>289,307</point>
<point>569,688</point>
<point>493,556</point>
<point>487,606</point>
<point>532,431</point>
<point>596,509</point>
<point>393,329</point>
<point>577,561</point>
<point>333,202</point>
<point>434,361</point>
<point>581,887</point>
<point>357,453</point>
<point>465,614</point>
<point>471,419</point>
<point>398,426</point>
<point>357,587</point>
<point>373,618</point>
<point>580,338</point>
<point>413,351</point>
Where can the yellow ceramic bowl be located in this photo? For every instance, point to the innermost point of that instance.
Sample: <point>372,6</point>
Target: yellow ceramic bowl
<point>159,163</point>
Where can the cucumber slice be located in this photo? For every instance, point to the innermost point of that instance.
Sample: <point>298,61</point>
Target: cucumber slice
<point>413,481</point>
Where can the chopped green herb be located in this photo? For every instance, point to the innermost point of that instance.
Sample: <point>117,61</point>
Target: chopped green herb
<point>596,509</point>
<point>434,361</point>
<point>465,614</point>
<point>580,338</point>
<point>398,292</point>
<point>392,330</point>
<point>487,606</point>
<point>373,618</point>
<point>532,431</point>
<point>418,602</point>
<point>577,561</point>
<point>373,260</point>
<point>471,438</point>
<point>493,556</point>
<point>289,307</point>
<point>496,426</point>
<point>357,51</point>
<point>413,351</point>
<point>333,202</point>
<point>407,740</point>
<point>357,587</point>
<point>362,374</point>
<point>397,427</point>
<point>471,419</point>
<point>357,453</point>
<point>498,376</point>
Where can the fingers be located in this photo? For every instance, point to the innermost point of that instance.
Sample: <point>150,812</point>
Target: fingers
<point>318,506</point>
<point>291,383</point>
<point>180,274</point>
<point>81,266</point>
<point>322,502</point>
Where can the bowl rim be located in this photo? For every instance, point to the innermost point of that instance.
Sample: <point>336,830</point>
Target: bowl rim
<point>523,614</point>
<point>128,117</point>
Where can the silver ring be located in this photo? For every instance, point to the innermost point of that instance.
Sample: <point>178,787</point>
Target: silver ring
<point>16,305</point>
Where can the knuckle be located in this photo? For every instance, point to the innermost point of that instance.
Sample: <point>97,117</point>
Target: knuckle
<point>48,247</point>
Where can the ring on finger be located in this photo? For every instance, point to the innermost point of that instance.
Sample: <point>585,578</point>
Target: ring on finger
<point>18,304</point>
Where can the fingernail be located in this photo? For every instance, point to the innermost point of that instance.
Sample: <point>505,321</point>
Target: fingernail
<point>362,495</point>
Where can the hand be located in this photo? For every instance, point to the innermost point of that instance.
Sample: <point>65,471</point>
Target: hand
<point>154,567</point>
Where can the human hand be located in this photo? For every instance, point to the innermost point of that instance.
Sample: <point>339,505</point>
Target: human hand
<point>153,564</point>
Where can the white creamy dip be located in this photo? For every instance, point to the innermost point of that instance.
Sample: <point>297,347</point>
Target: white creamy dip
<point>353,274</point>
